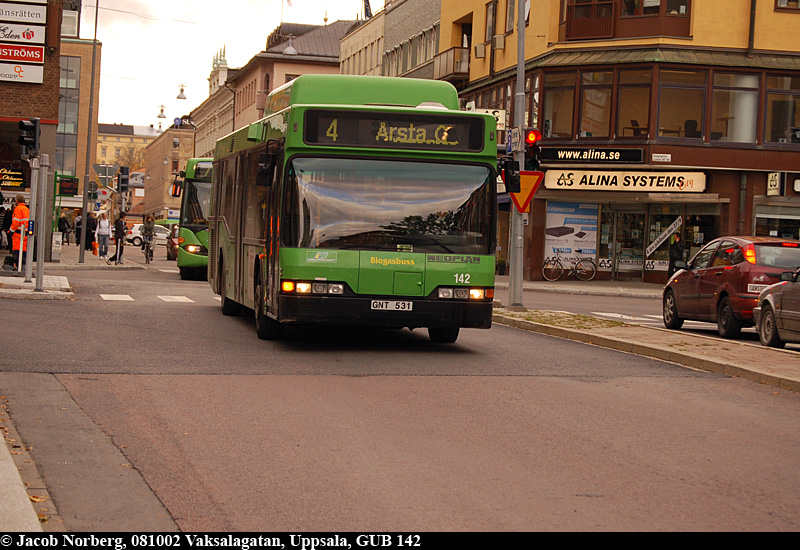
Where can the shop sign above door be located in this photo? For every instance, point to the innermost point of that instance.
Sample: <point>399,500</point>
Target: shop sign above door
<point>603,180</point>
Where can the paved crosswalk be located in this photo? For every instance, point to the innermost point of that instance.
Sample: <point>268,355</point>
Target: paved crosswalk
<point>648,320</point>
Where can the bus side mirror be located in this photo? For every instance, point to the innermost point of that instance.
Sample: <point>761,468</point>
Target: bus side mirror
<point>266,169</point>
<point>177,187</point>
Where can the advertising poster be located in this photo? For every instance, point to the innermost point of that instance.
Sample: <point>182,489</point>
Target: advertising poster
<point>571,230</point>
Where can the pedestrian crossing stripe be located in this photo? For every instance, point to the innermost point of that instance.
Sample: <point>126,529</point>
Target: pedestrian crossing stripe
<point>175,299</point>
<point>116,297</point>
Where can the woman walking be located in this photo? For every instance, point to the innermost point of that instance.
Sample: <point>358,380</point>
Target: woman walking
<point>102,235</point>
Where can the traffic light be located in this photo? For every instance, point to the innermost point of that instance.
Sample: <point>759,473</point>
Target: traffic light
<point>124,178</point>
<point>510,168</point>
<point>29,137</point>
<point>532,149</point>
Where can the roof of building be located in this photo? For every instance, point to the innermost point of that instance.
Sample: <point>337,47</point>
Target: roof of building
<point>127,130</point>
<point>322,41</point>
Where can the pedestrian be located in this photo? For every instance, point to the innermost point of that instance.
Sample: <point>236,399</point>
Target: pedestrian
<point>119,239</point>
<point>63,226</point>
<point>3,237</point>
<point>102,235</point>
<point>91,227</point>
<point>7,225</point>
<point>148,233</point>
<point>675,253</point>
<point>78,227</point>
<point>19,225</point>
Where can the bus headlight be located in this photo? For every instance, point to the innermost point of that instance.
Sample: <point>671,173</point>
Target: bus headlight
<point>476,293</point>
<point>445,293</point>
<point>303,288</point>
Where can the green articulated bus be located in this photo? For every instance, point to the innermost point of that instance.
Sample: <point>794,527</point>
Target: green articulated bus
<point>195,191</point>
<point>357,201</point>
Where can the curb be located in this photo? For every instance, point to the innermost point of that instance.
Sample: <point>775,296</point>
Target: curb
<point>646,350</point>
<point>586,291</point>
<point>16,510</point>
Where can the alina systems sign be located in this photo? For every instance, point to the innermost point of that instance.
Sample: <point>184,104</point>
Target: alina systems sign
<point>601,180</point>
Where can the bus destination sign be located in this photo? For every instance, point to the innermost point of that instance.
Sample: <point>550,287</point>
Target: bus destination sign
<point>394,130</point>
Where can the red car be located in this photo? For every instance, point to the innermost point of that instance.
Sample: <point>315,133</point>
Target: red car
<point>173,244</point>
<point>721,283</point>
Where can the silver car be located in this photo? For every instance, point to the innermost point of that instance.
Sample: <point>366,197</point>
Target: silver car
<point>777,315</point>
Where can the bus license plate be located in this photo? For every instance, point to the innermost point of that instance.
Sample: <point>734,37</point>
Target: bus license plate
<point>388,305</point>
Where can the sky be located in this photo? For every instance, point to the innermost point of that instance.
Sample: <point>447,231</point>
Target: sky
<point>151,47</point>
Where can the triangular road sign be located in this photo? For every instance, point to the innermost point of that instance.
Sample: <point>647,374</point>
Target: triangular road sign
<point>528,184</point>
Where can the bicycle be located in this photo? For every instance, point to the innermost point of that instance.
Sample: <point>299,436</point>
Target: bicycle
<point>583,268</point>
<point>147,249</point>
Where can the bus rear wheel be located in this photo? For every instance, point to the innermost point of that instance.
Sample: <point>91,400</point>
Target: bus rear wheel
<point>266,327</point>
<point>443,335</point>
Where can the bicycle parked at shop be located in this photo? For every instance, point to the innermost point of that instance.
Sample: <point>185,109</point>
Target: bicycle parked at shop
<point>583,268</point>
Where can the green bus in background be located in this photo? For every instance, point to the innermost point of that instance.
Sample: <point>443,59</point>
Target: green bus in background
<point>357,201</point>
<point>195,191</point>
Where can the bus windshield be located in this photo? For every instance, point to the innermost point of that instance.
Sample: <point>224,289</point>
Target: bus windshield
<point>196,201</point>
<point>402,206</point>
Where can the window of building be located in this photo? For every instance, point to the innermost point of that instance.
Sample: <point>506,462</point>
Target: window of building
<point>70,23</point>
<point>678,7</point>
<point>559,96</point>
<point>596,89</point>
<point>103,151</point>
<point>175,166</point>
<point>70,72</point>
<point>734,107</point>
<point>511,15</point>
<point>489,21</point>
<point>532,91</point>
<point>117,152</point>
<point>681,104</point>
<point>176,142</point>
<point>633,118</point>
<point>783,109</point>
<point>789,5</point>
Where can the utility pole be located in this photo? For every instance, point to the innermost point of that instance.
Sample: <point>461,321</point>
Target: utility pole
<point>44,164</point>
<point>89,144</point>
<point>517,241</point>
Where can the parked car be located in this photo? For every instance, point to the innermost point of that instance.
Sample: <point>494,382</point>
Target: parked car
<point>134,235</point>
<point>777,315</point>
<point>173,244</point>
<point>721,283</point>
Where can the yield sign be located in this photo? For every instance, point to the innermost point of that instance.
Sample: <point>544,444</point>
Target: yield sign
<point>528,184</point>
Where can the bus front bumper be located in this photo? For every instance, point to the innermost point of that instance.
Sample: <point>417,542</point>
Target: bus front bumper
<point>358,311</point>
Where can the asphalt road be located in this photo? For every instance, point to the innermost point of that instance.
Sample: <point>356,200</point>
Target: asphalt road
<point>146,409</point>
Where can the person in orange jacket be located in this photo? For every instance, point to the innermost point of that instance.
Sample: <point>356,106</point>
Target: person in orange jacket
<point>19,224</point>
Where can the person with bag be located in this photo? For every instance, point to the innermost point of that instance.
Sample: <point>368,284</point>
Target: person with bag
<point>63,227</point>
<point>120,229</point>
<point>91,227</point>
<point>102,235</point>
<point>148,233</point>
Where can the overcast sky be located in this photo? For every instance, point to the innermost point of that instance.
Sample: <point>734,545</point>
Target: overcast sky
<point>151,47</point>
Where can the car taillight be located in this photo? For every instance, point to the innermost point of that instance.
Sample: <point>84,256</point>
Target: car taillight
<point>791,245</point>
<point>750,253</point>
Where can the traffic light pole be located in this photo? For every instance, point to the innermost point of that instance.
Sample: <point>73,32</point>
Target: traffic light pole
<point>44,164</point>
<point>517,240</point>
<point>89,144</point>
<point>26,241</point>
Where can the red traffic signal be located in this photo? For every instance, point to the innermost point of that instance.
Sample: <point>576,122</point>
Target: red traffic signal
<point>532,136</point>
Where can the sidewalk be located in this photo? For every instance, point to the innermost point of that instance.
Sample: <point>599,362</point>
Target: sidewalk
<point>54,285</point>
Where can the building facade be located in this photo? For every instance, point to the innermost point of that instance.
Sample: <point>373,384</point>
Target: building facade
<point>411,38</point>
<point>361,49</point>
<point>656,118</point>
<point>214,117</point>
<point>164,159</point>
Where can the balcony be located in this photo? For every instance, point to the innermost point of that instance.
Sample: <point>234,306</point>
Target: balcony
<point>452,65</point>
<point>590,20</point>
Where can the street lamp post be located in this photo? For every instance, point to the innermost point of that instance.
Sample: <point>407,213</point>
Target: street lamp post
<point>85,212</point>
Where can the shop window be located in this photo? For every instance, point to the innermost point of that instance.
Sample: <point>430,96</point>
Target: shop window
<point>778,221</point>
<point>596,89</point>
<point>701,226</point>
<point>559,97</point>
<point>682,95</point>
<point>660,219</point>
<point>734,107</point>
<point>783,109</point>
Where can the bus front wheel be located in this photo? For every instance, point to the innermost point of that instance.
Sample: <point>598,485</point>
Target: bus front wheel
<point>443,335</point>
